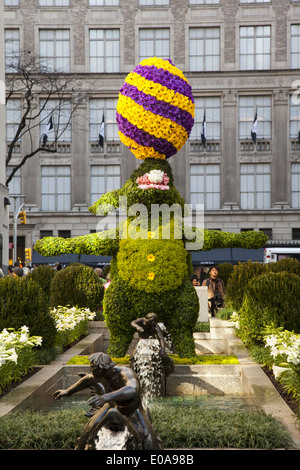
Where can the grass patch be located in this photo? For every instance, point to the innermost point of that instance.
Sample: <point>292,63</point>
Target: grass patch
<point>205,359</point>
<point>179,427</point>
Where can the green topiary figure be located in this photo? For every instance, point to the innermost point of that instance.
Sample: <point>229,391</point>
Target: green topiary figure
<point>151,261</point>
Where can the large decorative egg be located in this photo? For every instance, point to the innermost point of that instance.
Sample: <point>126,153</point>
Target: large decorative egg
<point>155,109</point>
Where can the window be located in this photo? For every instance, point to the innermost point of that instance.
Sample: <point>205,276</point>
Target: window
<point>204,2</point>
<point>204,49</point>
<point>12,50</point>
<point>255,186</point>
<point>61,118</point>
<point>295,186</point>
<point>54,3</point>
<point>205,186</point>
<point>247,109</point>
<point>11,3</point>
<point>64,233</point>
<point>295,46</point>
<point>104,3</point>
<point>156,3</point>
<point>13,118</point>
<point>154,43</point>
<point>255,47</point>
<point>295,233</point>
<point>255,1</point>
<point>212,107</point>
<point>104,50</point>
<point>294,118</point>
<point>56,188</point>
<point>46,233</point>
<point>55,49</point>
<point>14,185</point>
<point>104,178</point>
<point>98,108</point>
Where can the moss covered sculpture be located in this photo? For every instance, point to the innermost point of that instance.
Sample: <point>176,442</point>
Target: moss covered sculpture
<point>150,270</point>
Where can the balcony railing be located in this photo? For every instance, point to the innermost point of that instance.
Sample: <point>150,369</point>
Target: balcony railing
<point>109,147</point>
<point>260,146</point>
<point>212,146</point>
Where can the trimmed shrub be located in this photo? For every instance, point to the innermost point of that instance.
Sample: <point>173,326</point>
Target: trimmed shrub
<point>77,285</point>
<point>43,275</point>
<point>241,274</point>
<point>290,265</point>
<point>270,299</point>
<point>225,270</point>
<point>23,302</point>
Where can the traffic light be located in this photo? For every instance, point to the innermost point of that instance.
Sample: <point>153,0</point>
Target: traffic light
<point>22,216</point>
<point>28,254</point>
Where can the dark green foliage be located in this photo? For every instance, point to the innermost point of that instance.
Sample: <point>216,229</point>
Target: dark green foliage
<point>177,309</point>
<point>289,265</point>
<point>270,299</point>
<point>22,302</point>
<point>241,274</point>
<point>77,285</point>
<point>225,270</point>
<point>183,426</point>
<point>43,275</point>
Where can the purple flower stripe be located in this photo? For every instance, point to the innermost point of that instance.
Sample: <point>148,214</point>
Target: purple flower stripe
<point>144,138</point>
<point>150,103</point>
<point>165,78</point>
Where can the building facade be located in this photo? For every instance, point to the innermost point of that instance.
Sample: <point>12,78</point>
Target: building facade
<point>4,201</point>
<point>242,59</point>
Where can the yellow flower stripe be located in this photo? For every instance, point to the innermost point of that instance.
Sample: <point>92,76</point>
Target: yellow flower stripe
<point>161,92</point>
<point>160,127</point>
<point>141,152</point>
<point>163,64</point>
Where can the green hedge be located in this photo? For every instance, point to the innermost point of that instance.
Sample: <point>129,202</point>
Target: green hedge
<point>77,285</point>
<point>23,302</point>
<point>270,299</point>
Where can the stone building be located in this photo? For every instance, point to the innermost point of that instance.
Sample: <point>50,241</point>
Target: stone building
<point>241,57</point>
<point>4,212</point>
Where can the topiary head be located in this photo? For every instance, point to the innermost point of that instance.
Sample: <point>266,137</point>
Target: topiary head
<point>155,109</point>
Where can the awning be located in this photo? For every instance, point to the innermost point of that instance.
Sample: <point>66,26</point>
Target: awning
<point>91,260</point>
<point>227,255</point>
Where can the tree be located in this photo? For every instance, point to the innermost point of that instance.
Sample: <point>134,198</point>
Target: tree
<point>46,95</point>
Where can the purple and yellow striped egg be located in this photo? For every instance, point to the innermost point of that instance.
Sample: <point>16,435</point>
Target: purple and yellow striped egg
<point>155,109</point>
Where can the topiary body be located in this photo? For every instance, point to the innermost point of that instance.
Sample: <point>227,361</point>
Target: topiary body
<point>151,266</point>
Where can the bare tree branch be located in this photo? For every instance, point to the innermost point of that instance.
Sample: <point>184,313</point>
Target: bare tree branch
<point>42,92</point>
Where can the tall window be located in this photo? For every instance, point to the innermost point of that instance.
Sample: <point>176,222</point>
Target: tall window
<point>14,185</point>
<point>204,2</point>
<point>212,108</point>
<point>255,186</point>
<point>154,42</point>
<point>204,49</point>
<point>295,46</point>
<point>11,3</point>
<point>205,186</point>
<point>12,49</point>
<point>104,50</point>
<point>156,3</point>
<point>247,109</point>
<point>13,117</point>
<point>255,1</point>
<point>294,119</point>
<point>54,3</point>
<point>61,115</point>
<point>103,107</point>
<point>56,188</point>
<point>255,47</point>
<point>104,3</point>
<point>55,49</point>
<point>104,178</point>
<point>295,186</point>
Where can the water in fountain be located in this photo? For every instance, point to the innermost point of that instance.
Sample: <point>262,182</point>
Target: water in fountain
<point>148,365</point>
<point>111,440</point>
